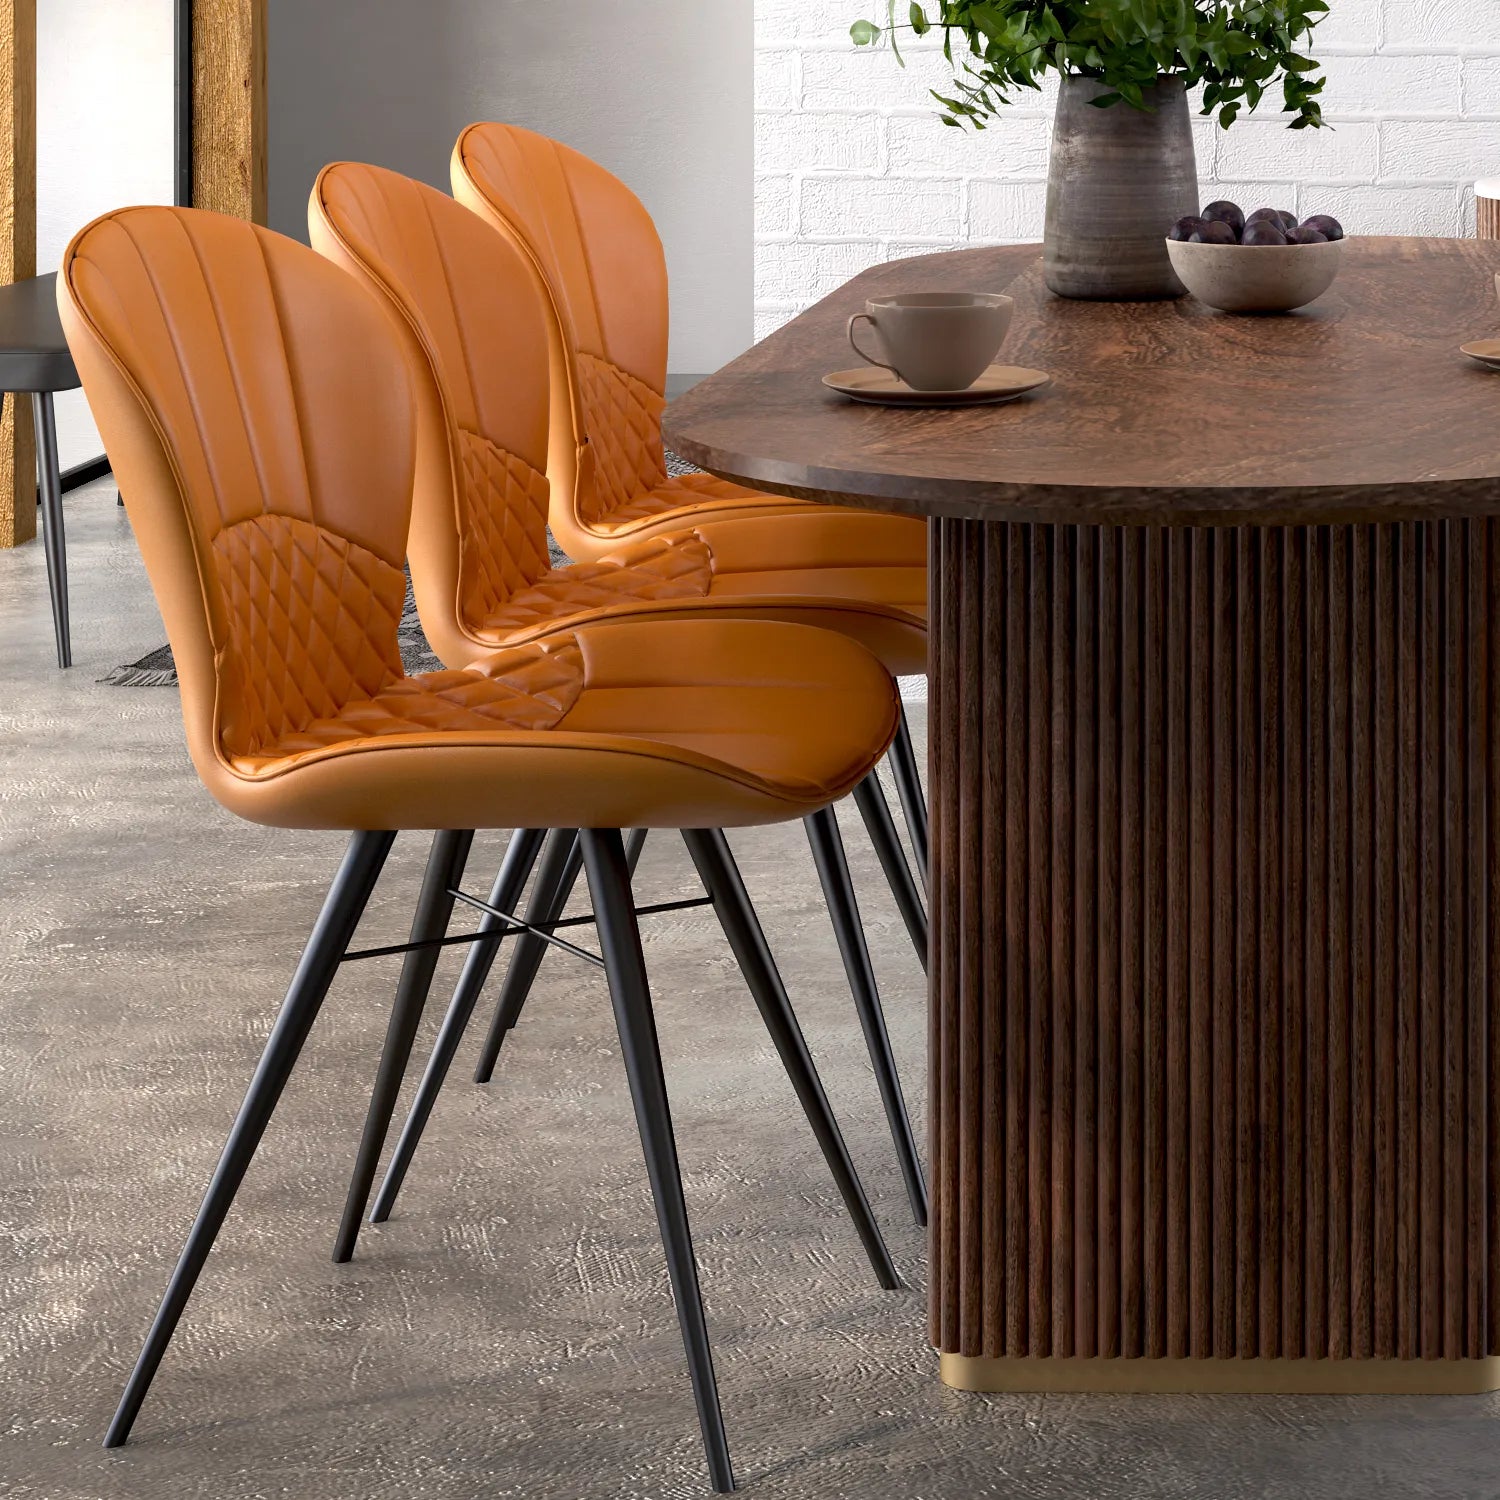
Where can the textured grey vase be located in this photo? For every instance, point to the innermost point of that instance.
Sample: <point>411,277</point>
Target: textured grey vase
<point>1120,178</point>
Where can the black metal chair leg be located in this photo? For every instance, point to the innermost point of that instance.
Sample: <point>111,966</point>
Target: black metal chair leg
<point>49,487</point>
<point>721,879</point>
<point>876,812</point>
<point>320,961</point>
<point>635,845</point>
<point>609,884</point>
<point>903,759</point>
<point>515,870</point>
<point>838,891</point>
<point>562,862</point>
<point>445,872</point>
<point>549,901</point>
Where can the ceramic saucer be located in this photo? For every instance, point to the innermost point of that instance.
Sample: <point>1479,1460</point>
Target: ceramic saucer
<point>882,388</point>
<point>1485,351</point>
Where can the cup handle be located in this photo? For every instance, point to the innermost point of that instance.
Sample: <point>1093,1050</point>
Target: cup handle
<point>869,359</point>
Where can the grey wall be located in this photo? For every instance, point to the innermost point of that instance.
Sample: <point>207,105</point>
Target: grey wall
<point>660,91</point>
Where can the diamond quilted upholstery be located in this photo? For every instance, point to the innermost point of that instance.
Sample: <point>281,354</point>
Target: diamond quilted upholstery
<point>312,623</point>
<point>623,420</point>
<point>503,540</point>
<point>531,688</point>
<point>671,567</point>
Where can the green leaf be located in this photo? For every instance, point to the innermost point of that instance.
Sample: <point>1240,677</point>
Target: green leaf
<point>1234,49</point>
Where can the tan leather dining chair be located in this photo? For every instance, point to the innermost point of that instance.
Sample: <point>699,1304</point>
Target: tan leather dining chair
<point>466,301</point>
<point>260,410</point>
<point>598,264</point>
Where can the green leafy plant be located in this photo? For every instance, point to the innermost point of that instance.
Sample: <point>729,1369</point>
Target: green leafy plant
<point>1237,49</point>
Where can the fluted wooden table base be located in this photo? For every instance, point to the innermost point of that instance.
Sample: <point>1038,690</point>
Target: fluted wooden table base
<point>1214,1041</point>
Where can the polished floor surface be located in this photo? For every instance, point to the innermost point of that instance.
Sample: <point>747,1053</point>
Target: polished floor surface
<point>509,1333</point>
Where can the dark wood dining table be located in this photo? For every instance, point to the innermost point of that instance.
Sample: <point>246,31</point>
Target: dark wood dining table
<point>1214,748</point>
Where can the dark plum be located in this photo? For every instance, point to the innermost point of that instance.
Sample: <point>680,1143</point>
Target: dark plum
<point>1183,228</point>
<point>1327,226</point>
<point>1263,232</point>
<point>1264,216</point>
<point>1215,232</point>
<point>1288,222</point>
<point>1225,212</point>
<point>1307,236</point>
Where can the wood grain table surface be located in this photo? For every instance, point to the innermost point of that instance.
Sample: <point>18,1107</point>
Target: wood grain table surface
<point>1359,407</point>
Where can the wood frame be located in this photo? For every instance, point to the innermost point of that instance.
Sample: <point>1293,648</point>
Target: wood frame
<point>220,164</point>
<point>17,250</point>
<point>228,160</point>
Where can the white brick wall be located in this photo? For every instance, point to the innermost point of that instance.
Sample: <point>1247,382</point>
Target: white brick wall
<point>853,168</point>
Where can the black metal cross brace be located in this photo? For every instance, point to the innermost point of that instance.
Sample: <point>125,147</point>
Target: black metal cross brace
<point>514,926</point>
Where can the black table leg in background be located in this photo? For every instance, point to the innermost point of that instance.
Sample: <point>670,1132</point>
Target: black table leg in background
<point>49,486</point>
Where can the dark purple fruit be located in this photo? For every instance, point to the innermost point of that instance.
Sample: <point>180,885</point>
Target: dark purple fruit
<point>1288,222</point>
<point>1184,228</point>
<point>1263,216</point>
<point>1263,232</point>
<point>1214,232</point>
<point>1224,212</point>
<point>1306,236</point>
<point>1328,227</point>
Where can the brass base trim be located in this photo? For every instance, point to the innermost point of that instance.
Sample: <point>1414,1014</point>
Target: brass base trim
<point>1240,1377</point>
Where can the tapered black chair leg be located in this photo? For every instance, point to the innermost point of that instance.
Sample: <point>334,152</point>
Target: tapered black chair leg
<point>549,901</point>
<point>903,758</point>
<point>721,879</point>
<point>49,487</point>
<point>838,891</point>
<point>876,812</point>
<point>635,846</point>
<point>515,870</point>
<point>320,961</point>
<point>562,862</point>
<point>620,939</point>
<point>445,872</point>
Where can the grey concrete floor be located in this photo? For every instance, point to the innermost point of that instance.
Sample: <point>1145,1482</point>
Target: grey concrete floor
<point>510,1332</point>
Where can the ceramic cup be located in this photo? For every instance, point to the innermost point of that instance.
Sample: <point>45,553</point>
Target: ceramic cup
<point>936,341</point>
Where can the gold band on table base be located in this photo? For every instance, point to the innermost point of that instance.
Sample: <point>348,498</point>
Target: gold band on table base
<point>1239,1377</point>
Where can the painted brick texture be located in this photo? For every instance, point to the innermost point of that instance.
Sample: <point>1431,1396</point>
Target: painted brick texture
<point>853,168</point>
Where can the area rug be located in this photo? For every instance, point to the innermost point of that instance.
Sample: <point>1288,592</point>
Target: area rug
<point>157,669</point>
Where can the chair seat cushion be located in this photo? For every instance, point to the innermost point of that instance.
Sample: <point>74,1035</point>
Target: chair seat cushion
<point>851,571</point>
<point>700,495</point>
<point>686,723</point>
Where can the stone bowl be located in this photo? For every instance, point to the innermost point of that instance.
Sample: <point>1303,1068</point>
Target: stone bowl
<point>1256,278</point>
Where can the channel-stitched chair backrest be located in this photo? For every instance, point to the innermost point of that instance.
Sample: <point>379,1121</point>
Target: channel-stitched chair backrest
<point>472,314</point>
<point>598,251</point>
<point>257,407</point>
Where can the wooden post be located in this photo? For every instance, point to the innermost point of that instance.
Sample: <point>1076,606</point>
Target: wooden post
<point>1487,208</point>
<point>229,107</point>
<point>17,250</point>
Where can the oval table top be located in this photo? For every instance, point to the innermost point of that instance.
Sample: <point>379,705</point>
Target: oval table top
<point>1357,408</point>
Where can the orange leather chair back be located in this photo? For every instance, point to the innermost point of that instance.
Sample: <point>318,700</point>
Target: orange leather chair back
<point>257,408</point>
<point>599,260</point>
<point>469,309</point>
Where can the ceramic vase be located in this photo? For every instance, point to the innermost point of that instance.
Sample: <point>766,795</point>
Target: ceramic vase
<point>1120,178</point>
